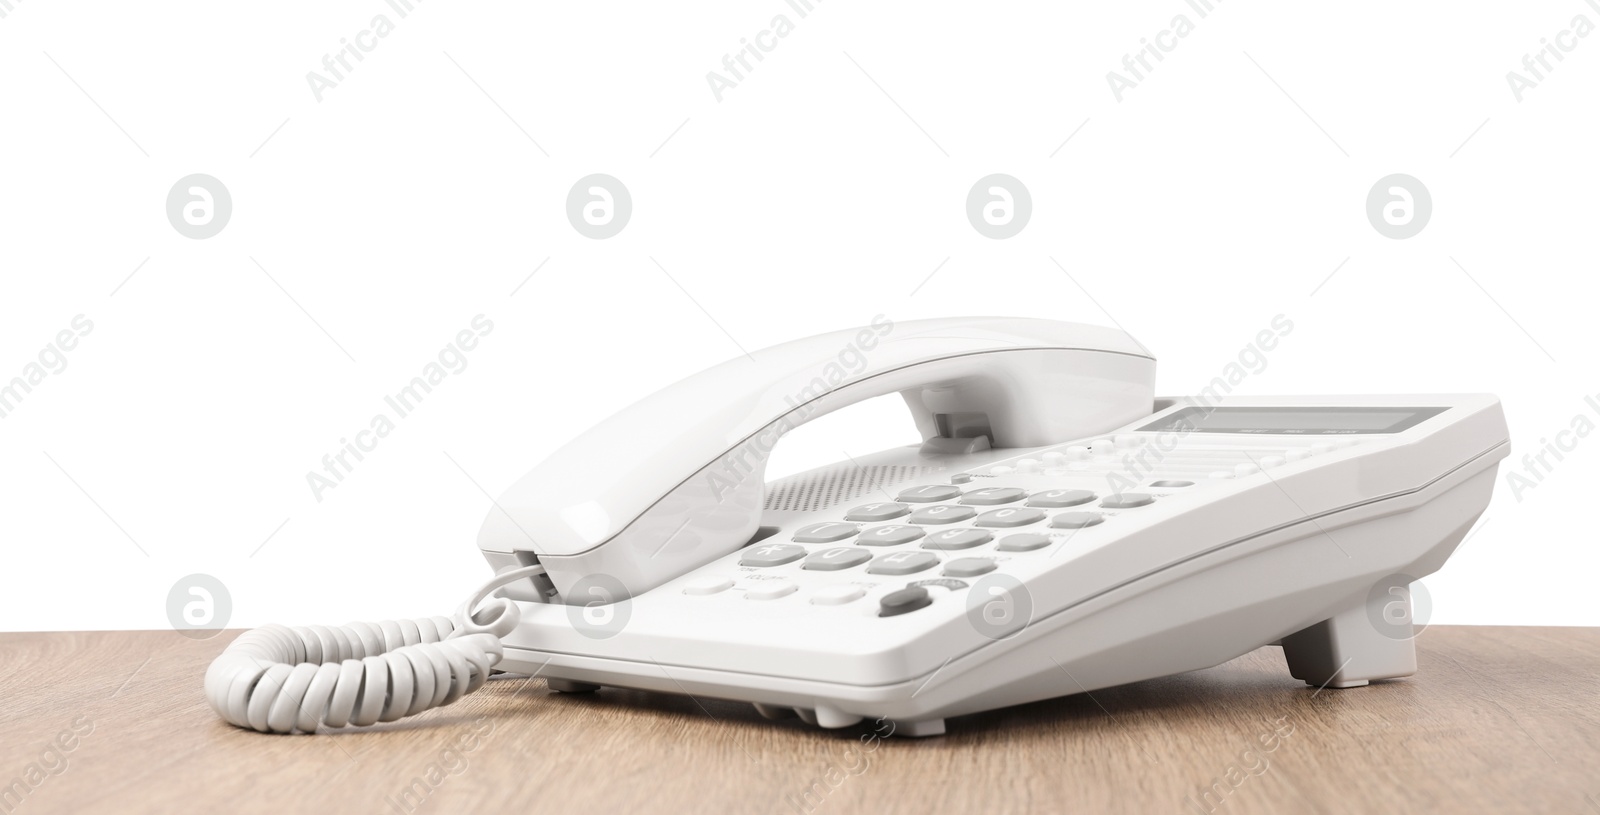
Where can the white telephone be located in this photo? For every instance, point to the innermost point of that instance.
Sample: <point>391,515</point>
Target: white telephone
<point>1059,530</point>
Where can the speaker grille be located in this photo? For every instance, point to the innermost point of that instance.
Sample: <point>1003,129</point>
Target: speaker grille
<point>820,490</point>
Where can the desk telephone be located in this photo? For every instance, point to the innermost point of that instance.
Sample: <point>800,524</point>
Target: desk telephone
<point>1059,530</point>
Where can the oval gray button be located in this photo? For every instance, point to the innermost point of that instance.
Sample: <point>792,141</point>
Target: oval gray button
<point>1127,500</point>
<point>957,539</point>
<point>839,557</point>
<point>1024,542</point>
<point>826,532</point>
<point>928,494</point>
<point>989,496</point>
<point>885,511</point>
<point>1014,516</point>
<point>1076,520</point>
<point>969,566</point>
<point>1056,499</point>
<point>942,514</point>
<point>889,535</point>
<point>772,554</point>
<point>906,562</point>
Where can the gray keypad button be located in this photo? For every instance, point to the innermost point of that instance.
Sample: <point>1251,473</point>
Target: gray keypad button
<point>1056,499</point>
<point>908,562</point>
<point>928,494</point>
<point>1127,500</point>
<point>969,566</point>
<point>957,539</point>
<point>886,511</point>
<point>942,514</point>
<point>1024,542</point>
<point>989,496</point>
<point>889,535</point>
<point>772,554</point>
<point>1014,516</point>
<point>839,557</point>
<point>1076,520</point>
<point>826,532</point>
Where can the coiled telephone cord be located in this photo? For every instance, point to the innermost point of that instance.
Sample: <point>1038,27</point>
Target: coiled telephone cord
<point>278,679</point>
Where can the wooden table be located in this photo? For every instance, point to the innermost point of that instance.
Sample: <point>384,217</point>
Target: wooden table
<point>1497,720</point>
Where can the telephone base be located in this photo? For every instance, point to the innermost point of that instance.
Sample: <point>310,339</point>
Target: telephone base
<point>1350,650</point>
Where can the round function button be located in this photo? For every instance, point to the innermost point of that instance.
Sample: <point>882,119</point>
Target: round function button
<point>837,595</point>
<point>885,511</point>
<point>957,539</point>
<point>928,493</point>
<point>771,590</point>
<point>1247,468</point>
<point>1268,462</point>
<point>989,496</point>
<point>904,601</point>
<point>969,567</point>
<point>1346,441</point>
<point>839,557</point>
<point>1127,500</point>
<point>960,478</point>
<point>1129,440</point>
<point>942,514</point>
<point>826,532</point>
<point>708,584</point>
<point>1219,474</point>
<point>1056,499</point>
<point>1320,448</point>
<point>1023,542</point>
<point>889,535</point>
<point>1076,520</point>
<point>909,562</point>
<point>1102,447</point>
<point>1170,484</point>
<point>1076,452</point>
<point>1028,465</point>
<point>1297,455</point>
<point>1009,517</point>
<point>1054,459</point>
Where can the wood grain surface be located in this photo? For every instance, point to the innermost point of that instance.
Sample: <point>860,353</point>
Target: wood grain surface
<point>1496,720</point>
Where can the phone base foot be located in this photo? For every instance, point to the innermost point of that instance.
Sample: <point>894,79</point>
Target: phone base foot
<point>919,730</point>
<point>1349,650</point>
<point>571,686</point>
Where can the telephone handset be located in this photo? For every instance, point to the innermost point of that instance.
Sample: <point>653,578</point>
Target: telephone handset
<point>676,480</point>
<point>1058,530</point>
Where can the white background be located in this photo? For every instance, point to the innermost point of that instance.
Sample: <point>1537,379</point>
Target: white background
<point>409,200</point>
